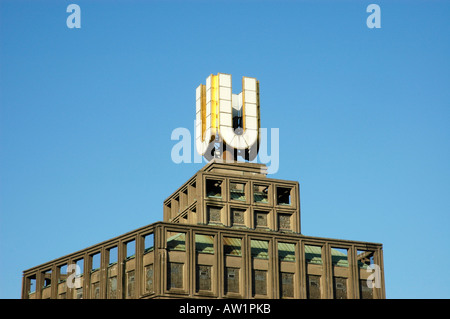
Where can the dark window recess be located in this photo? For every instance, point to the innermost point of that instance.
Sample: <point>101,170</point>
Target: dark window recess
<point>231,280</point>
<point>283,196</point>
<point>313,287</point>
<point>175,275</point>
<point>340,288</point>
<point>214,214</point>
<point>203,277</point>
<point>287,285</point>
<point>259,282</point>
<point>213,188</point>
<point>260,219</point>
<point>238,216</point>
<point>149,278</point>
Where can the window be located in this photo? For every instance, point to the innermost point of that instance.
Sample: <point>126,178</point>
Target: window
<point>284,221</point>
<point>204,244</point>
<point>286,285</point>
<point>340,288</point>
<point>130,284</point>
<point>32,285</point>
<point>214,214</point>
<point>259,249</point>
<point>237,217</point>
<point>214,188</point>
<point>95,290</point>
<point>175,275</point>
<point>203,277</point>
<point>261,218</point>
<point>313,255</point>
<point>365,259</point>
<point>231,280</point>
<point>283,196</point>
<point>148,243</point>
<point>313,286</point>
<point>111,282</point>
<point>286,252</point>
<point>339,257</point>
<point>47,279</point>
<point>112,253</point>
<point>62,273</point>
<point>95,262</point>
<point>176,241</point>
<point>237,191</point>
<point>79,293</point>
<point>112,287</point>
<point>148,272</point>
<point>131,249</point>
<point>259,281</point>
<point>232,246</point>
<point>261,193</point>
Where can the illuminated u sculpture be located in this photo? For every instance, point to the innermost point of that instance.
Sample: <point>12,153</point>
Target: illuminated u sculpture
<point>231,120</point>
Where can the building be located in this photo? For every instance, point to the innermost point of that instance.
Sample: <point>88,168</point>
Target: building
<point>228,232</point>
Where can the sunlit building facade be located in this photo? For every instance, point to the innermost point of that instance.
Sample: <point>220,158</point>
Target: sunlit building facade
<point>228,232</point>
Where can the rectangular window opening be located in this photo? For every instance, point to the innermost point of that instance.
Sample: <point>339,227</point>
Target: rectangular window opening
<point>176,241</point>
<point>214,188</point>
<point>149,242</point>
<point>313,254</point>
<point>95,262</point>
<point>283,196</point>
<point>204,244</point>
<point>204,277</point>
<point>284,221</point>
<point>237,191</point>
<point>131,249</point>
<point>259,249</point>
<point>259,282</point>
<point>62,273</point>
<point>286,252</point>
<point>238,216</point>
<point>214,214</point>
<point>231,280</point>
<point>232,246</point>
<point>339,257</point>
<point>261,194</point>
<point>261,219</point>
<point>313,287</point>
<point>47,278</point>
<point>32,284</point>
<point>113,255</point>
<point>175,275</point>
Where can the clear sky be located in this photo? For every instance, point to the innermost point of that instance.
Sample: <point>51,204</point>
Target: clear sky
<point>86,117</point>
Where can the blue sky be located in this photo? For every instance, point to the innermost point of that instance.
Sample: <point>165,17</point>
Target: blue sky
<point>86,117</point>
